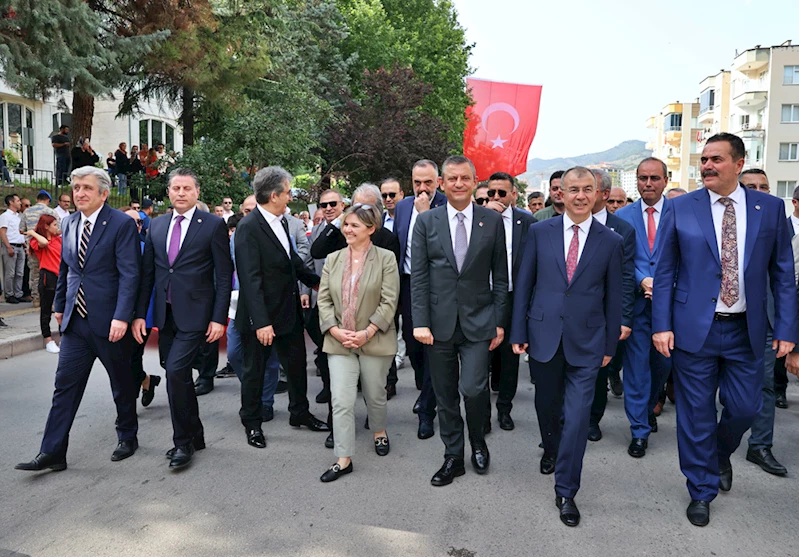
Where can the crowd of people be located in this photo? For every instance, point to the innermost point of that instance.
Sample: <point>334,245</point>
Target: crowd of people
<point>697,286</point>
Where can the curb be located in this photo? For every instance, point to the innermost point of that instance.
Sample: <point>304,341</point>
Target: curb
<point>22,344</point>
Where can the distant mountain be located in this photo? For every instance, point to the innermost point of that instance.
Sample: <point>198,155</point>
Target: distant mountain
<point>625,155</point>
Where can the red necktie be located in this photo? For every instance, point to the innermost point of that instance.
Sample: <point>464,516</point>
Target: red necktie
<point>571,260</point>
<point>650,227</point>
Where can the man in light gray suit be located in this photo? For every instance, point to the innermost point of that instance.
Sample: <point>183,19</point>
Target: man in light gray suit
<point>459,291</point>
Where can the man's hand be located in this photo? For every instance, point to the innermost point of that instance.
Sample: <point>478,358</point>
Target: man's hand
<point>782,347</point>
<point>520,349</point>
<point>422,204</point>
<point>606,360</point>
<point>625,333</point>
<point>118,330</point>
<point>495,205</point>
<point>214,332</point>
<point>58,318</point>
<point>646,286</point>
<point>139,330</point>
<point>423,335</point>
<point>792,363</point>
<point>10,251</point>
<point>497,340</point>
<point>664,342</point>
<point>265,335</point>
<point>305,301</point>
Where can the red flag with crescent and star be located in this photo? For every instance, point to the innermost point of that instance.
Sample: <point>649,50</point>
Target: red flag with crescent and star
<point>500,126</point>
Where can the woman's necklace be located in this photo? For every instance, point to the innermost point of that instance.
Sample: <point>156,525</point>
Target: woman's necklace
<point>354,255</point>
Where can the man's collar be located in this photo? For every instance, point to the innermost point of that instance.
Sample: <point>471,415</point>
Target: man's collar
<point>188,215</point>
<point>658,206</point>
<point>602,215</point>
<point>452,211</point>
<point>585,226</point>
<point>738,195</point>
<point>508,212</point>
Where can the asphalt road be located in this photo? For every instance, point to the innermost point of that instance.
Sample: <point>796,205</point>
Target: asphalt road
<point>236,500</point>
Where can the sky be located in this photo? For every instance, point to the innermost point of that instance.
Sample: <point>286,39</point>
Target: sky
<point>608,65</point>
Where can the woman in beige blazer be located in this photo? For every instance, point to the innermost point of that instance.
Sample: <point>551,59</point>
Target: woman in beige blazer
<point>357,301</point>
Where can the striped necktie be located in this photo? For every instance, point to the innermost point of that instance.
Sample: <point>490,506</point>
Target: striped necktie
<point>80,300</point>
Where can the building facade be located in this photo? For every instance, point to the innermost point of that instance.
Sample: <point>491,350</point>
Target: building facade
<point>676,133</point>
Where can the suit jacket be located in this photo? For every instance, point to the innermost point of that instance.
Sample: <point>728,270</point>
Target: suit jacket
<point>378,297</point>
<point>646,262</point>
<point>297,233</point>
<point>442,296</point>
<point>268,292</point>
<point>585,314</point>
<point>200,278</point>
<point>330,240</point>
<point>110,274</point>
<point>316,265</point>
<point>628,282</point>
<point>688,280</point>
<point>402,222</point>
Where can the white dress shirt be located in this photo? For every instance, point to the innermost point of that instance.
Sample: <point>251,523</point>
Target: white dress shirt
<point>452,212</point>
<point>10,221</point>
<point>658,211</point>
<point>276,225</point>
<point>407,267</point>
<point>227,214</point>
<point>795,223</point>
<point>602,217</point>
<point>184,227</point>
<point>738,197</point>
<point>568,234</point>
<point>507,221</point>
<point>92,220</point>
<point>62,213</point>
<point>388,224</point>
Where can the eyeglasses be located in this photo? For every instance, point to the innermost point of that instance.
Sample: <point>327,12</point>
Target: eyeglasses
<point>616,201</point>
<point>481,200</point>
<point>390,194</point>
<point>326,203</point>
<point>501,193</point>
<point>644,179</point>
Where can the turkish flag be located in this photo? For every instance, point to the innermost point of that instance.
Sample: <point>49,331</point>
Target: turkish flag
<point>500,126</point>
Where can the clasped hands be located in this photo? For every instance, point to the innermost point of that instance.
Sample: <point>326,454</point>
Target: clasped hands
<point>349,339</point>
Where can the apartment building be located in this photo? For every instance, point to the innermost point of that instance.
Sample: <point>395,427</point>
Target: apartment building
<point>676,136</point>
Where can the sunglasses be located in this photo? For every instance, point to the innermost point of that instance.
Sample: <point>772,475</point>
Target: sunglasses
<point>616,201</point>
<point>391,194</point>
<point>501,193</point>
<point>645,179</point>
<point>326,203</point>
<point>481,200</point>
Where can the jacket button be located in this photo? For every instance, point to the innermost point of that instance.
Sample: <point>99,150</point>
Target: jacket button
<point>651,262</point>
<point>718,275</point>
<point>171,270</point>
<point>713,300</point>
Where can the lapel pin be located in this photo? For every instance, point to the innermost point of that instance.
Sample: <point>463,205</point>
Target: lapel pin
<point>518,222</point>
<point>199,220</point>
<point>757,207</point>
<point>103,223</point>
<point>480,223</point>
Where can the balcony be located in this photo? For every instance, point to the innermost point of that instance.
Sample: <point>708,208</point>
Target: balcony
<point>707,115</point>
<point>651,122</point>
<point>673,108</point>
<point>753,163</point>
<point>751,60</point>
<point>673,135</point>
<point>750,94</point>
<point>754,133</point>
<point>673,162</point>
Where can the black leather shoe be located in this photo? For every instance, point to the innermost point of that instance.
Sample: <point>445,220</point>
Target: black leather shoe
<point>417,406</point>
<point>547,464</point>
<point>323,397</point>
<point>481,459</point>
<point>198,443</point>
<point>452,468</point>
<point>43,462</point>
<point>147,395</point>
<point>281,388</point>
<point>594,433</point>
<point>181,457</point>
<point>267,414</point>
<point>382,446</point>
<point>225,372</point>
<point>12,300</point>
<point>698,512</point>
<point>764,459</point>
<point>255,438</point>
<point>494,387</point>
<point>637,448</point>
<point>203,388</point>
<point>780,400</point>
<point>569,513</point>
<point>335,472</point>
<point>391,391</point>
<point>308,420</point>
<point>725,474</point>
<point>505,421</point>
<point>425,429</point>
<point>653,423</point>
<point>124,450</point>
<point>616,385</point>
<point>330,442</point>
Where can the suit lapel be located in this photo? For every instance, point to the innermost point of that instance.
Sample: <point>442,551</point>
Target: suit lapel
<point>556,236</point>
<point>640,228</point>
<point>97,231</point>
<point>753,217</point>
<point>657,236</point>
<point>704,219</point>
<point>194,227</point>
<point>270,233</point>
<point>474,239</point>
<point>595,235</point>
<point>446,239</point>
<point>517,227</point>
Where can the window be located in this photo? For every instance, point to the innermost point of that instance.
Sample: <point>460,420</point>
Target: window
<point>790,113</point>
<point>2,126</point>
<point>27,137</point>
<point>785,188</point>
<point>789,151</point>
<point>61,119</point>
<point>158,133</point>
<point>144,132</point>
<point>744,118</point>
<point>15,129</point>
<point>791,75</point>
<point>672,122</point>
<point>153,132</point>
<point>170,138</point>
<point>707,100</point>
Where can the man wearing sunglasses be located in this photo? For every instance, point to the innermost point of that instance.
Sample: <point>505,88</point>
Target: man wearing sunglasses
<point>503,363</point>
<point>391,192</point>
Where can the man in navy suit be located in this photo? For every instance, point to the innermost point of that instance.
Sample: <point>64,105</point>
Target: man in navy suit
<point>95,297</point>
<point>720,248</point>
<point>645,369</point>
<point>627,232</point>
<point>425,181</point>
<point>568,309</point>
<point>187,260</point>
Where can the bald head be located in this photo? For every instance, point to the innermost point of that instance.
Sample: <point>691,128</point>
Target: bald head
<point>616,200</point>
<point>248,205</point>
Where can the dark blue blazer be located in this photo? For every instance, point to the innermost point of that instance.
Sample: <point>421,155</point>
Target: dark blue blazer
<point>645,261</point>
<point>111,271</point>
<point>402,222</point>
<point>689,271</point>
<point>585,314</point>
<point>201,275</point>
<point>628,282</point>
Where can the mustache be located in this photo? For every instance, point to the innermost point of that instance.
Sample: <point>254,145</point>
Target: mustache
<point>706,173</point>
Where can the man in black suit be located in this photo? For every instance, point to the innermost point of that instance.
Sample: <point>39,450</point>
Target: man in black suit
<point>627,232</point>
<point>95,297</point>
<point>504,363</point>
<point>187,260</point>
<point>269,314</point>
<point>459,289</point>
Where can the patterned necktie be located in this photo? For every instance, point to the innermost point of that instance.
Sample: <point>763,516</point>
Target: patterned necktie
<point>80,299</point>
<point>729,254</point>
<point>571,259</point>
<point>461,244</point>
<point>650,228</point>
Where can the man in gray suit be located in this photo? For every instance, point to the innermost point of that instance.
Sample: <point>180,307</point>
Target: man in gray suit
<point>459,285</point>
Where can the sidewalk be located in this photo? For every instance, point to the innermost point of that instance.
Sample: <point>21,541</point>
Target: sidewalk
<point>23,334</point>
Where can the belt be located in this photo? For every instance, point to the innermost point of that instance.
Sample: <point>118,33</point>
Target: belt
<point>729,316</point>
<point>18,245</point>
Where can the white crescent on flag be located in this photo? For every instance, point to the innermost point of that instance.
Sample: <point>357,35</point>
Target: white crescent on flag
<point>499,107</point>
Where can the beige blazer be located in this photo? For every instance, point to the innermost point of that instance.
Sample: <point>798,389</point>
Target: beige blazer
<point>378,296</point>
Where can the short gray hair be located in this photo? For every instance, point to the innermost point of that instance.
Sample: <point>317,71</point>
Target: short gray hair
<point>269,180</point>
<point>103,179</point>
<point>202,206</point>
<point>182,172</point>
<point>371,190</point>
<point>603,179</point>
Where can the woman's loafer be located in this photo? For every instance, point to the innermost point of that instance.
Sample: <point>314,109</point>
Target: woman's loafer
<point>335,472</point>
<point>382,446</point>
